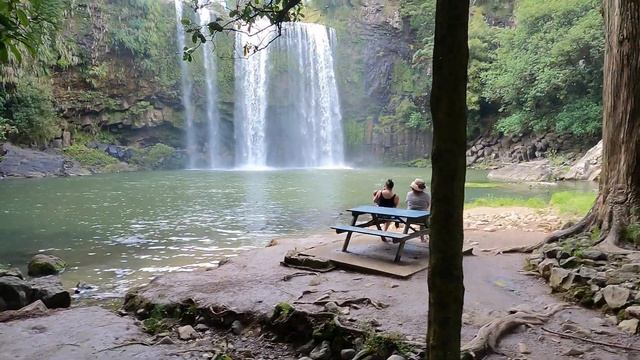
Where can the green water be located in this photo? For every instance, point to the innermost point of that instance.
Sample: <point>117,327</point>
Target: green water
<point>122,229</point>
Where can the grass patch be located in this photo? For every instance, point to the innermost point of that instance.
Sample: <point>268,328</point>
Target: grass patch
<point>90,157</point>
<point>572,203</point>
<point>632,234</point>
<point>535,203</point>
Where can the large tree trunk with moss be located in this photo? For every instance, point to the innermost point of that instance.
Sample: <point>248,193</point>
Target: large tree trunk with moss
<point>618,203</point>
<point>448,108</point>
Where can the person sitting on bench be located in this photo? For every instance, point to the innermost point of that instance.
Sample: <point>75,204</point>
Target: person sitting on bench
<point>418,198</point>
<point>386,198</point>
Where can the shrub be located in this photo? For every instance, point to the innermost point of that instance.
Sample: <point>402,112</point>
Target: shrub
<point>157,156</point>
<point>90,157</point>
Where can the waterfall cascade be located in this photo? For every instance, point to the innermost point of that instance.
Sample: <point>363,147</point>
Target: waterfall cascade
<point>213,116</point>
<point>287,110</point>
<point>286,106</point>
<point>187,88</point>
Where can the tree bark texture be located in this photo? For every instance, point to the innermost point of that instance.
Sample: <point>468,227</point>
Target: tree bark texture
<point>449,113</point>
<point>618,202</point>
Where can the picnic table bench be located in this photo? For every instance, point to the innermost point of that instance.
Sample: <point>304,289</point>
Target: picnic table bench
<point>380,215</point>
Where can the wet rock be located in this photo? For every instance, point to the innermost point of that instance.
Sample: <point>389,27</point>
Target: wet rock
<point>593,254</point>
<point>49,289</point>
<point>34,309</point>
<point>629,326</point>
<point>15,272</point>
<point>544,268</point>
<point>347,354</point>
<point>631,268</point>
<point>616,296</point>
<point>43,264</point>
<point>187,332</point>
<point>14,292</point>
<point>236,327</point>
<point>633,311</point>
<point>321,352</point>
<point>201,327</point>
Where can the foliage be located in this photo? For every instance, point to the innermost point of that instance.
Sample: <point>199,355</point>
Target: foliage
<point>354,133</point>
<point>153,157</point>
<point>156,323</point>
<point>386,343</point>
<point>90,157</point>
<point>547,71</point>
<point>572,203</point>
<point>27,114</point>
<point>632,233</point>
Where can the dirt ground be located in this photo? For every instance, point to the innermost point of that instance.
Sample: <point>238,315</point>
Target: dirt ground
<point>255,282</point>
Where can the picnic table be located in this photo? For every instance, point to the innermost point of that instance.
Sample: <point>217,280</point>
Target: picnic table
<point>415,220</point>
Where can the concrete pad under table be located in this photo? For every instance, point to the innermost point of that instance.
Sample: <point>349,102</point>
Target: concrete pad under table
<point>370,254</point>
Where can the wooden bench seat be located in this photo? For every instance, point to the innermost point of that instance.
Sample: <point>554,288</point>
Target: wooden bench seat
<point>356,229</point>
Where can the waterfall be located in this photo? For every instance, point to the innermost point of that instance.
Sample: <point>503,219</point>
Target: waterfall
<point>187,87</point>
<point>287,111</point>
<point>213,116</point>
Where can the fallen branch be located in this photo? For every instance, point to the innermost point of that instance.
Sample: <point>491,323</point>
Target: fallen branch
<point>569,336</point>
<point>291,276</point>
<point>487,338</point>
<point>341,303</point>
<point>125,344</point>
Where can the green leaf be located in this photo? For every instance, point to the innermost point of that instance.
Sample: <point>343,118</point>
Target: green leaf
<point>4,55</point>
<point>22,17</point>
<point>16,53</point>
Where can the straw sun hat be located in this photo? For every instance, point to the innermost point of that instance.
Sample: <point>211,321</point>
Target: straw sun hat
<point>418,185</point>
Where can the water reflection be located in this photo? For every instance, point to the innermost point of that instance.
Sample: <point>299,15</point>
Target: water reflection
<point>122,229</point>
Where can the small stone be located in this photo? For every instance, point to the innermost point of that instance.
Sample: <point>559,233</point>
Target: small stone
<point>305,358</point>
<point>523,349</point>
<point>166,341</point>
<point>49,289</point>
<point>347,354</point>
<point>236,327</point>
<point>544,268</point>
<point>322,351</point>
<point>15,272</point>
<point>633,311</point>
<point>201,327</point>
<point>616,296</point>
<point>122,312</point>
<point>557,277</point>
<point>573,352</point>
<point>395,357</point>
<point>593,254</point>
<point>629,326</point>
<point>187,332</point>
<point>332,307</point>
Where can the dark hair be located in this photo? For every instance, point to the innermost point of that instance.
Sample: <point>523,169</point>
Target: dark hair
<point>389,184</point>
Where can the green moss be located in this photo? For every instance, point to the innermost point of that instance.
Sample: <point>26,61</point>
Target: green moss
<point>156,322</point>
<point>384,344</point>
<point>155,157</point>
<point>90,157</point>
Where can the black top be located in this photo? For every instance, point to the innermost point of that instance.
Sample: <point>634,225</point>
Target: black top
<point>387,202</point>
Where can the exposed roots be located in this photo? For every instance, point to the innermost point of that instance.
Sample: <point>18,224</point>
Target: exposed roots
<point>578,228</point>
<point>489,335</point>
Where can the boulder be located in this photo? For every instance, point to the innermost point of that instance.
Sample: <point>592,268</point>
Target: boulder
<point>347,354</point>
<point>35,309</point>
<point>532,171</point>
<point>629,326</point>
<point>616,296</point>
<point>544,268</point>
<point>593,254</point>
<point>588,167</point>
<point>42,265</point>
<point>49,289</point>
<point>14,292</point>
<point>322,351</point>
<point>558,277</point>
<point>15,272</point>
<point>630,268</point>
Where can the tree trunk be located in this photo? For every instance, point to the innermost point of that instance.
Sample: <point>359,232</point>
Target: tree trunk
<point>618,202</point>
<point>449,113</point>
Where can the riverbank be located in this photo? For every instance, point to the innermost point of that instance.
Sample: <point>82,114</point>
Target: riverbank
<point>233,307</point>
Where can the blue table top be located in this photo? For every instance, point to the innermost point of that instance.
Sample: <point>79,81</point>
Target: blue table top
<point>380,210</point>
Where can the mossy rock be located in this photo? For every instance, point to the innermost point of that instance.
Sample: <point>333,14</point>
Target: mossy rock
<point>43,264</point>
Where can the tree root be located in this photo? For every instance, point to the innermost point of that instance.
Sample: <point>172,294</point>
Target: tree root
<point>582,338</point>
<point>348,302</point>
<point>557,235</point>
<point>489,335</point>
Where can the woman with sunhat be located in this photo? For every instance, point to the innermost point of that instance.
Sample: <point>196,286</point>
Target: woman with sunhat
<point>418,198</point>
